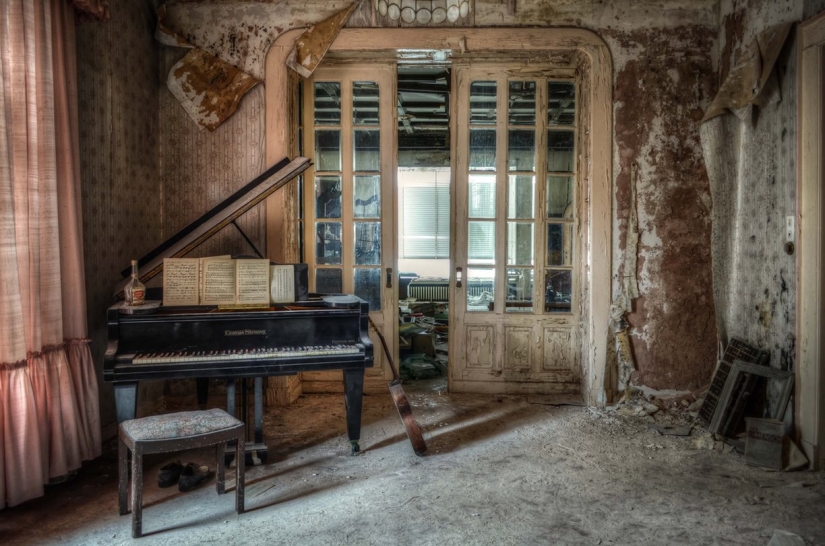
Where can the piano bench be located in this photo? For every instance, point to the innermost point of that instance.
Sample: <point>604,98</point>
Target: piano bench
<point>177,432</point>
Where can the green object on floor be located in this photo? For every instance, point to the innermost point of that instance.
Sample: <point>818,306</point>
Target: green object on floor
<point>419,366</point>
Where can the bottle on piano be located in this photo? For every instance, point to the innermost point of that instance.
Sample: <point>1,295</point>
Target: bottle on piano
<point>135,291</point>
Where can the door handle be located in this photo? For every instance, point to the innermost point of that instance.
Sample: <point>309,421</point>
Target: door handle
<point>389,277</point>
<point>458,277</point>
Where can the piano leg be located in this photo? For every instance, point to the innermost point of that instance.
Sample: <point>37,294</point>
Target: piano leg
<point>202,384</point>
<point>125,400</point>
<point>354,395</point>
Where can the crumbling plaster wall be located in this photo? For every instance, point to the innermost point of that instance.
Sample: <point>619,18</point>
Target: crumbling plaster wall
<point>664,79</point>
<point>761,304</point>
<point>118,89</point>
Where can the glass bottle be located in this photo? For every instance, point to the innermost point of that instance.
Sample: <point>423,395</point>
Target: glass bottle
<point>135,291</point>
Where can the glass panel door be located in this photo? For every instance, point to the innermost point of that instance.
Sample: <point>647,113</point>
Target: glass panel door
<point>349,130</point>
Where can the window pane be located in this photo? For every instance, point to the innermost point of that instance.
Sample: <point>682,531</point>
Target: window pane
<point>520,195</point>
<point>480,289</point>
<point>519,290</point>
<point>522,151</point>
<point>368,287</point>
<point>328,242</point>
<point>328,150</point>
<point>367,198</point>
<point>483,103</point>
<point>520,243</point>
<point>368,243</point>
<point>481,243</point>
<point>327,196</point>
<point>482,149</point>
<point>560,151</point>
<point>560,197</point>
<point>558,291</point>
<point>560,244</point>
<point>561,103</point>
<point>364,103</point>
<point>367,147</point>
<point>482,190</point>
<point>329,281</point>
<point>522,103</point>
<point>327,103</point>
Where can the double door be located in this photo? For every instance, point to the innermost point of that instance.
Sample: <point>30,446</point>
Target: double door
<point>515,304</point>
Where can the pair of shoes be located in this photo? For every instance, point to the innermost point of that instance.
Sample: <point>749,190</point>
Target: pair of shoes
<point>169,474</point>
<point>192,475</point>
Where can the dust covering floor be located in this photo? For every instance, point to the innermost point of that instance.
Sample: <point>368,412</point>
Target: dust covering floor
<point>499,470</point>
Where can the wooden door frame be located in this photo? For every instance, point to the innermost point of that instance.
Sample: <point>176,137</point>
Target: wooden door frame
<point>810,327</point>
<point>492,41</point>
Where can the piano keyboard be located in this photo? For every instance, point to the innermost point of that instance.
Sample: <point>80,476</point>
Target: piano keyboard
<point>246,354</point>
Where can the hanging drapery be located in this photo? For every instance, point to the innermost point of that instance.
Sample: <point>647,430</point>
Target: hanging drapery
<point>49,419</point>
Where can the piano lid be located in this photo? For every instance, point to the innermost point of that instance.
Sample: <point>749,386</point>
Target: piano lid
<point>217,218</point>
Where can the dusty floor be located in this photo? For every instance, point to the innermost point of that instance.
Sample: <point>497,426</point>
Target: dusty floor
<point>499,470</point>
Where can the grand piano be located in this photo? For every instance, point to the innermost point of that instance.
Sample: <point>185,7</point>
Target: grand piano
<point>202,342</point>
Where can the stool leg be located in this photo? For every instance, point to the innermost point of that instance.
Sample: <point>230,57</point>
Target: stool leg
<point>240,464</point>
<point>219,468</point>
<point>122,475</point>
<point>137,492</point>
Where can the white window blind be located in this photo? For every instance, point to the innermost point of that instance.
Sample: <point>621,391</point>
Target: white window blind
<point>426,221</point>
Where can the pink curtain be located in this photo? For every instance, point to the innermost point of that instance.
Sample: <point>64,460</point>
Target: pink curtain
<point>49,419</point>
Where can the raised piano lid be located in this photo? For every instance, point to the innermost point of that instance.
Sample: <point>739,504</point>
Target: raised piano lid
<point>217,218</point>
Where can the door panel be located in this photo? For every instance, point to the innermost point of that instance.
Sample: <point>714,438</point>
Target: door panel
<point>516,245</point>
<point>349,123</point>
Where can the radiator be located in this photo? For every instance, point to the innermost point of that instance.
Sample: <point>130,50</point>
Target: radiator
<point>439,289</point>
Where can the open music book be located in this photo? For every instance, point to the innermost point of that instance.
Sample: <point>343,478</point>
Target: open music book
<point>228,282</point>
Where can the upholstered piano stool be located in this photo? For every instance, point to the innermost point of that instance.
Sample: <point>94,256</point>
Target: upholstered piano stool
<point>177,432</point>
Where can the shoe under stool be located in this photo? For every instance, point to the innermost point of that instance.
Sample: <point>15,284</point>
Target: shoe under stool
<point>177,432</point>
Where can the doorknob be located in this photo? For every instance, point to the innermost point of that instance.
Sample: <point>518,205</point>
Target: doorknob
<point>458,277</point>
<point>389,277</point>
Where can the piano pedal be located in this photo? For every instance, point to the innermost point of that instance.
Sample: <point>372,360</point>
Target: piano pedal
<point>256,455</point>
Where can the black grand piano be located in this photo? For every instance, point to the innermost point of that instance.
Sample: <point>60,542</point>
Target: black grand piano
<point>322,333</point>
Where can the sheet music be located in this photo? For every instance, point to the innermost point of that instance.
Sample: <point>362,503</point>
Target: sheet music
<point>282,283</point>
<point>218,281</point>
<point>180,281</point>
<point>252,277</point>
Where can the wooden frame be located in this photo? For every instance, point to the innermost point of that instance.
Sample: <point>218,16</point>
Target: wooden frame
<point>810,357</point>
<point>489,43</point>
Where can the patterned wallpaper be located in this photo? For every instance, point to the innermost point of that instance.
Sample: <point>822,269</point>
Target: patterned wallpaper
<point>199,169</point>
<point>117,100</point>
